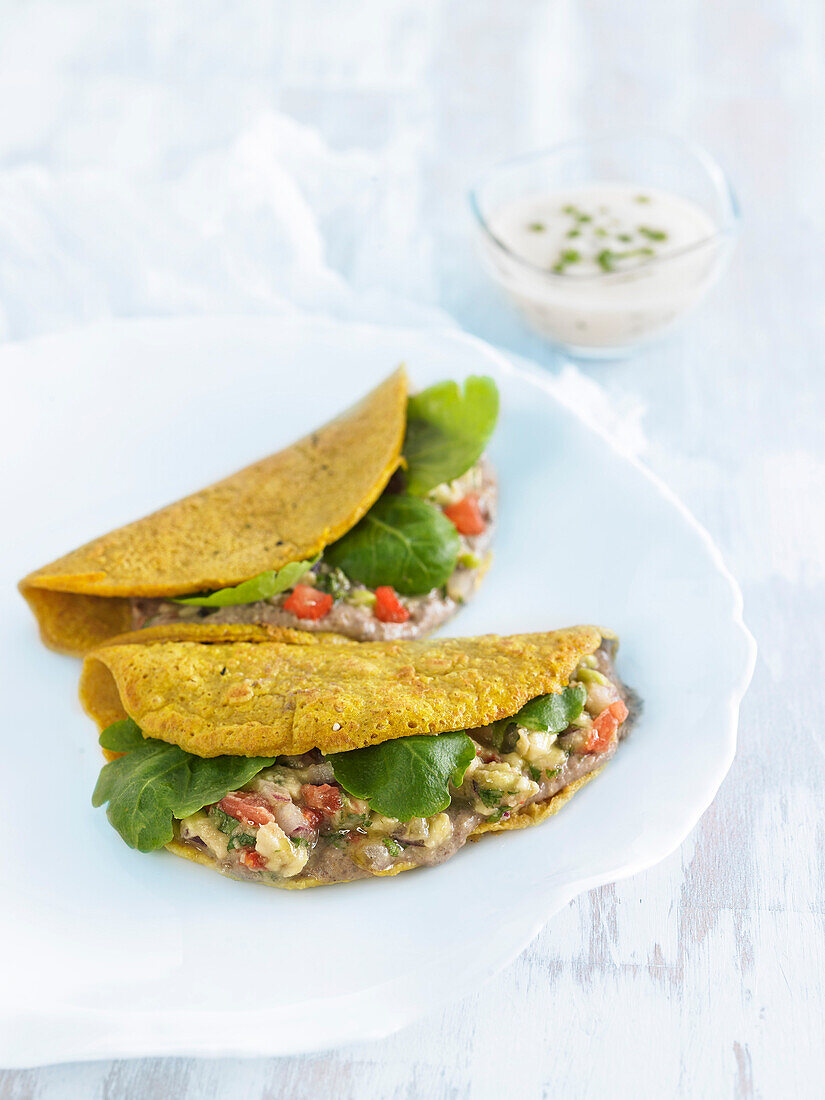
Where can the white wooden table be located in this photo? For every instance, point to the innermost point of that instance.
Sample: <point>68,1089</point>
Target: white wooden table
<point>703,977</point>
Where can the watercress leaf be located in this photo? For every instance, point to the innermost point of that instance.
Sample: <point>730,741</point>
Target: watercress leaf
<point>122,736</point>
<point>261,587</point>
<point>447,431</point>
<point>406,778</point>
<point>402,541</point>
<point>552,713</point>
<point>154,783</point>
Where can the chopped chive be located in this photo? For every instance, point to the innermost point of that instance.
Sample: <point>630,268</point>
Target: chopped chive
<point>537,227</point>
<point>652,234</point>
<point>568,256</point>
<point>642,198</point>
<point>574,233</point>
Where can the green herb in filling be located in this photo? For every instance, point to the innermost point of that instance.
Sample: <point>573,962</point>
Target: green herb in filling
<point>392,846</point>
<point>225,823</point>
<point>334,581</point>
<point>241,840</point>
<point>489,797</point>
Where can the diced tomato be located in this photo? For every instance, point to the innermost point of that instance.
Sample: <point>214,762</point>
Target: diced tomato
<point>605,726</point>
<point>466,515</point>
<point>323,797</point>
<point>307,602</point>
<point>250,809</point>
<point>252,859</point>
<point>313,817</point>
<point>388,608</point>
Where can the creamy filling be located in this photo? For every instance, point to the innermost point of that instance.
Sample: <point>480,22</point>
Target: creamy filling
<point>293,821</point>
<point>353,612</point>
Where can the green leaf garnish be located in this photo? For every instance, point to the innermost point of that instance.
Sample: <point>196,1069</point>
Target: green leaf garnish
<point>551,713</point>
<point>402,541</point>
<point>406,778</point>
<point>154,783</point>
<point>447,431</point>
<point>122,736</point>
<point>261,587</point>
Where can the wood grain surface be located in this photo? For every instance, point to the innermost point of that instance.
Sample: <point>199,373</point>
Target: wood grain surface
<point>705,976</point>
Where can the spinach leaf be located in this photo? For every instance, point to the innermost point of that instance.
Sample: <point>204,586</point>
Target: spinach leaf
<point>551,713</point>
<point>262,587</point>
<point>447,431</point>
<point>155,783</point>
<point>406,778</point>
<point>402,541</point>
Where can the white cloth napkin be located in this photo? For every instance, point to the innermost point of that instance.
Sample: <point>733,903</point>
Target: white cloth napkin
<point>144,172</point>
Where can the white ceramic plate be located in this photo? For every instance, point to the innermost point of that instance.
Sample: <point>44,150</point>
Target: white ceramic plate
<point>106,952</point>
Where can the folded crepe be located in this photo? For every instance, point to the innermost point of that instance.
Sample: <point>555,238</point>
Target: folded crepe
<point>297,760</point>
<point>247,549</point>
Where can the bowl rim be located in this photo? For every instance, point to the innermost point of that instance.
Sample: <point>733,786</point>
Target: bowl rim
<point>724,233</point>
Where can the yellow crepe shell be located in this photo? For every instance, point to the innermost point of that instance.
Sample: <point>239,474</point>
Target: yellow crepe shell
<point>267,698</point>
<point>285,508</point>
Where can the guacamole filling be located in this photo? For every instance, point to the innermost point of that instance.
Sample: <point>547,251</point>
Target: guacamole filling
<point>298,818</point>
<point>452,524</point>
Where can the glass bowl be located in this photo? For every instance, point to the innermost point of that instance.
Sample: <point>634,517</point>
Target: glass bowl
<point>608,314</point>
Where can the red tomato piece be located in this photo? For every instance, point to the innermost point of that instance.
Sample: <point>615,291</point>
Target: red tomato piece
<point>388,608</point>
<point>251,859</point>
<point>250,809</point>
<point>466,515</point>
<point>308,603</point>
<point>323,797</point>
<point>605,726</point>
<point>313,817</point>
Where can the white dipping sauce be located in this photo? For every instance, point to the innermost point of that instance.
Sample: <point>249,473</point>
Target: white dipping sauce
<point>606,264</point>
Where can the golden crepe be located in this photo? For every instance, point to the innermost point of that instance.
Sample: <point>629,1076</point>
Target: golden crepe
<point>297,760</point>
<point>245,550</point>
